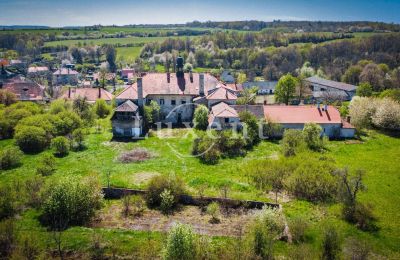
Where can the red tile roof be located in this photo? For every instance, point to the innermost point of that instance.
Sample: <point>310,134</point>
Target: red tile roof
<point>223,110</point>
<point>24,89</point>
<point>347,125</point>
<point>4,62</point>
<point>129,92</point>
<point>302,114</point>
<point>92,94</point>
<point>157,84</point>
<point>127,106</point>
<point>221,92</point>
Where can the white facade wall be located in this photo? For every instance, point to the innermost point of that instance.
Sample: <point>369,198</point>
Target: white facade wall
<point>347,132</point>
<point>169,112</point>
<point>216,101</point>
<point>330,130</point>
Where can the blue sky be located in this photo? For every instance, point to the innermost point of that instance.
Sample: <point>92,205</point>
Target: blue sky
<point>120,12</point>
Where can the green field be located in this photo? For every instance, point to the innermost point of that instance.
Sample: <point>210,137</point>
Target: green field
<point>128,53</point>
<point>378,155</point>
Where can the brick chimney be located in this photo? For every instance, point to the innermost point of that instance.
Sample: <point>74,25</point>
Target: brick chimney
<point>191,76</point>
<point>201,84</point>
<point>140,92</point>
<point>99,92</point>
<point>168,77</point>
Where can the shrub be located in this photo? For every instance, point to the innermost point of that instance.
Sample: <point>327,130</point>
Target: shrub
<point>7,238</point>
<point>298,227</point>
<point>292,141</point>
<point>361,110</point>
<point>8,205</point>
<point>78,138</point>
<point>31,139</point>
<point>44,121</point>
<point>7,98</point>
<point>60,146</point>
<point>364,217</point>
<point>207,149</point>
<point>180,243</point>
<point>250,128</point>
<point>59,105</point>
<point>152,113</point>
<point>271,220</point>
<point>66,122</point>
<point>330,244</point>
<point>28,248</point>
<point>200,118</point>
<point>101,108</point>
<point>46,165</point>
<point>214,212</point>
<point>231,145</point>
<point>364,90</point>
<point>71,202</point>
<point>167,201</point>
<point>391,93</point>
<point>313,180</point>
<point>262,242</point>
<point>158,184</point>
<point>136,155</point>
<point>10,157</point>
<point>356,249</point>
<point>312,136</point>
<point>138,206</point>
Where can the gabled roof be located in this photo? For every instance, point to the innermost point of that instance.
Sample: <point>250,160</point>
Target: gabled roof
<point>92,94</point>
<point>157,84</point>
<point>257,110</point>
<point>128,93</point>
<point>65,71</point>
<point>127,106</point>
<point>24,89</point>
<point>262,85</point>
<point>223,110</point>
<point>330,83</point>
<point>302,114</point>
<point>221,92</point>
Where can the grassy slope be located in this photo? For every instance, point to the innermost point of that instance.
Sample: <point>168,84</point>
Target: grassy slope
<point>378,156</point>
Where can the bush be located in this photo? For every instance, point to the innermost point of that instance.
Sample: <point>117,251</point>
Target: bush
<point>152,113</point>
<point>60,146</point>
<point>7,98</point>
<point>31,139</point>
<point>136,155</point>
<point>214,212</point>
<point>78,138</point>
<point>10,157</point>
<point>44,121</point>
<point>101,108</point>
<point>66,122</point>
<point>330,244</point>
<point>292,141</point>
<point>387,114</point>
<point>250,128</point>
<point>8,205</point>
<point>364,217</point>
<point>312,136</point>
<point>180,243</point>
<point>158,184</point>
<point>364,90</point>
<point>313,180</point>
<point>7,238</point>
<point>207,149</point>
<point>356,249</point>
<point>271,220</point>
<point>391,93</point>
<point>71,202</point>
<point>200,118</point>
<point>167,202</point>
<point>231,145</point>
<point>298,227</point>
<point>46,165</point>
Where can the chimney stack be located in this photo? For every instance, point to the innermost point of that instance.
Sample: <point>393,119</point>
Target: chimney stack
<point>140,92</point>
<point>168,77</point>
<point>99,92</point>
<point>191,76</point>
<point>201,84</point>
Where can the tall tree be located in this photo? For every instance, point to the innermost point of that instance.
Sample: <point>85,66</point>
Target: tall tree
<point>285,89</point>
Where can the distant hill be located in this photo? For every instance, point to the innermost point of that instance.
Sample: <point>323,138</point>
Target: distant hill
<point>14,27</point>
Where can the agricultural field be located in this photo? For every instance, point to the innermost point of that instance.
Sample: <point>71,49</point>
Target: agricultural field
<point>376,153</point>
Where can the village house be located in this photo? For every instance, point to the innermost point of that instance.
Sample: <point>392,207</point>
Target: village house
<point>323,89</point>
<point>221,93</point>
<point>126,121</point>
<point>24,89</point>
<point>65,76</point>
<point>223,116</point>
<point>127,74</point>
<point>264,87</point>
<point>91,94</point>
<point>37,71</point>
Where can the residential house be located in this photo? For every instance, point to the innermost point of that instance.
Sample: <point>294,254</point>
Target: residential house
<point>223,116</point>
<point>91,94</point>
<point>65,76</point>
<point>37,71</point>
<point>24,89</point>
<point>220,93</point>
<point>329,90</point>
<point>126,121</point>
<point>264,87</point>
<point>109,78</point>
<point>127,74</point>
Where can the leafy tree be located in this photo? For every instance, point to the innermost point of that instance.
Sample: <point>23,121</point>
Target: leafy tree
<point>214,212</point>
<point>111,54</point>
<point>292,141</point>
<point>241,78</point>
<point>101,108</point>
<point>60,146</point>
<point>373,75</point>
<point>391,93</point>
<point>46,165</point>
<point>361,110</point>
<point>159,184</point>
<point>180,243</point>
<point>31,139</point>
<point>207,149</point>
<point>364,90</point>
<point>8,203</point>
<point>285,89</point>
<point>7,98</point>
<point>248,96</point>
<point>251,128</point>
<point>387,114</point>
<point>167,201</point>
<point>152,113</point>
<point>78,138</point>
<point>352,75</point>
<point>71,202</point>
<point>200,118</point>
<point>312,136</point>
<point>10,157</point>
<point>66,122</point>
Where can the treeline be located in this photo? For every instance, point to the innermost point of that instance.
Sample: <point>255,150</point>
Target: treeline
<point>307,26</point>
<point>238,52</point>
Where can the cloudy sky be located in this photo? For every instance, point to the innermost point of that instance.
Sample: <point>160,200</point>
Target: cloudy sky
<point>122,12</point>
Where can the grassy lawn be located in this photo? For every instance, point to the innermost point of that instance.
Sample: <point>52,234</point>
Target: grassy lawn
<point>378,154</point>
<point>128,53</point>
